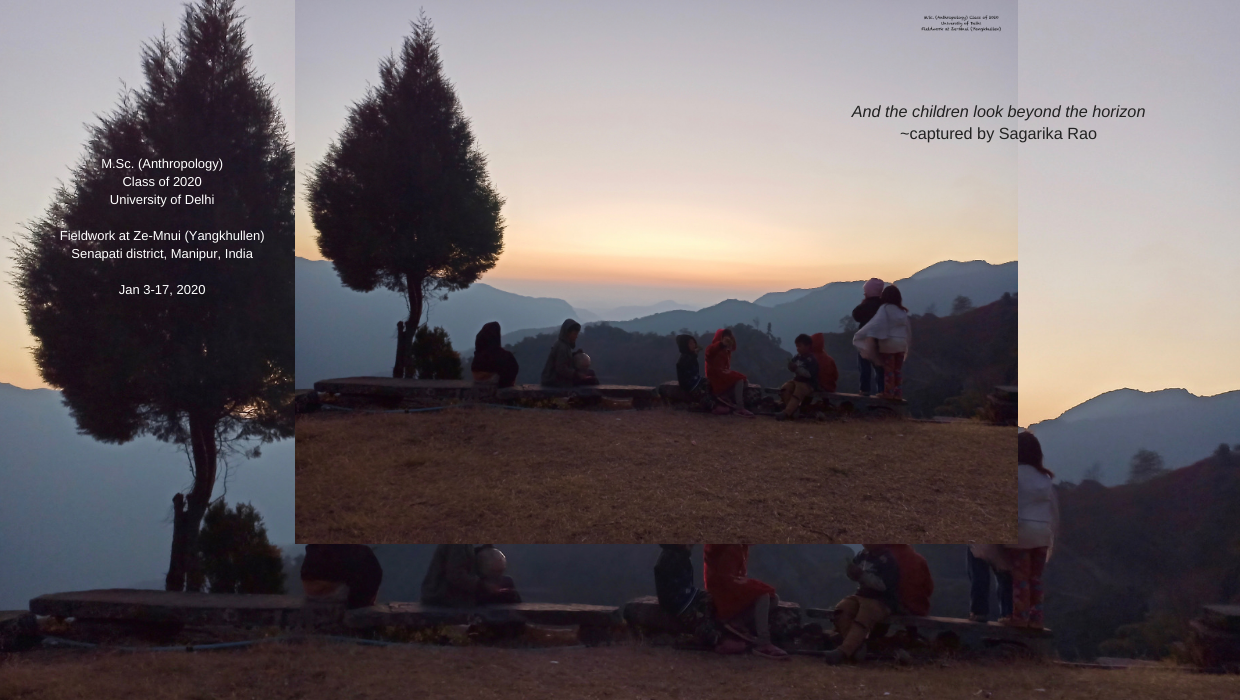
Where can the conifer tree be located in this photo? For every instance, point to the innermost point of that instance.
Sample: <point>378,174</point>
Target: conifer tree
<point>402,199</point>
<point>211,372</point>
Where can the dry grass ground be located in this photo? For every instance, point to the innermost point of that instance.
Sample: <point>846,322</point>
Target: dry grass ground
<point>484,474</point>
<point>317,670</point>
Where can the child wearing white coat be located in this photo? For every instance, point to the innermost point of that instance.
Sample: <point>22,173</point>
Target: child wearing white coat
<point>885,341</point>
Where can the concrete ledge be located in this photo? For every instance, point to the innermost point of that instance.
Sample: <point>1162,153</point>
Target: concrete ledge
<point>416,615</point>
<point>170,607</point>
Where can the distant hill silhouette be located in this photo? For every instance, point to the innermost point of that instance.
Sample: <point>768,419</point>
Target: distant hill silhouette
<point>932,289</point>
<point>76,513</point>
<point>1109,429</point>
<point>1133,563</point>
<point>955,360</point>
<point>341,332</point>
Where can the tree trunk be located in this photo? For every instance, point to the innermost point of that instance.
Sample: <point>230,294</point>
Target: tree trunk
<point>413,287</point>
<point>184,569</point>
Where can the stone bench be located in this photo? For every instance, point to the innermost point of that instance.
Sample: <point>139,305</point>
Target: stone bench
<point>642,396</point>
<point>851,403</point>
<point>1214,638</point>
<point>399,389</point>
<point>644,616</point>
<point>956,630</point>
<point>595,623</point>
<point>172,607</point>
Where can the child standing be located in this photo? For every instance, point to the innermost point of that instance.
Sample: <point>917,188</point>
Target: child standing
<point>1037,512</point>
<point>886,340</point>
<point>804,382</point>
<point>862,315</point>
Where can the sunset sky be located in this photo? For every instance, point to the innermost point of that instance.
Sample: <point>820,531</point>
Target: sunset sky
<point>1129,251</point>
<point>696,151</point>
<point>64,63</point>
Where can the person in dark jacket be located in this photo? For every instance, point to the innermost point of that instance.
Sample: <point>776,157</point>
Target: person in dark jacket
<point>673,578</point>
<point>690,605</point>
<point>327,566</point>
<point>891,579</point>
<point>862,315</point>
<point>465,575</point>
<point>804,382</point>
<point>491,360</point>
<point>561,368</point>
<point>689,373</point>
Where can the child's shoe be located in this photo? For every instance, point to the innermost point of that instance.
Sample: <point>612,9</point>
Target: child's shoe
<point>770,651</point>
<point>720,410</point>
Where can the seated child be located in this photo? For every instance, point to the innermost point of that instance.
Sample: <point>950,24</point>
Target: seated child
<point>828,373</point>
<point>673,583</point>
<point>688,372</point>
<point>891,579</point>
<point>491,361</point>
<point>804,382</point>
<point>465,575</point>
<point>740,600</point>
<point>726,384</point>
<point>561,368</point>
<point>329,569</point>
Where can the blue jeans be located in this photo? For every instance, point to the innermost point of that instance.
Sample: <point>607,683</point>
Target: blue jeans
<point>979,587</point>
<point>867,370</point>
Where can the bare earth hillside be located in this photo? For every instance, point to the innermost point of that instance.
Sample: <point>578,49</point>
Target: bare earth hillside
<point>312,671</point>
<point>649,476</point>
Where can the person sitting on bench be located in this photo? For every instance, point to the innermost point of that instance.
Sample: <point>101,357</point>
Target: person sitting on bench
<point>804,382</point>
<point>891,579</point>
<point>828,373</point>
<point>466,575</point>
<point>329,568</point>
<point>726,384</point>
<point>561,368</point>
<point>491,361</point>
<point>690,605</point>
<point>689,374</point>
<point>740,601</point>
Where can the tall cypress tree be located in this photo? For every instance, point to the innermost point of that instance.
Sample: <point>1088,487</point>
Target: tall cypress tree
<point>209,372</point>
<point>402,199</point>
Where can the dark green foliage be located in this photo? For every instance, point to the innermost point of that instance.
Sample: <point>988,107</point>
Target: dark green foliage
<point>433,356</point>
<point>402,200</point>
<point>1134,563</point>
<point>236,556</point>
<point>202,371</point>
<point>961,304</point>
<point>848,325</point>
<point>1145,465</point>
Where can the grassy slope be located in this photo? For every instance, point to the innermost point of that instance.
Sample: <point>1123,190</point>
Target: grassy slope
<point>584,476</point>
<point>317,671</point>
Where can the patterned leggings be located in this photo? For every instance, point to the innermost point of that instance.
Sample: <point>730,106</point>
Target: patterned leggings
<point>893,373</point>
<point>1027,567</point>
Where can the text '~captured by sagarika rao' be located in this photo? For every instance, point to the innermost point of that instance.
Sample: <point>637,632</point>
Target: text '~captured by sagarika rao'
<point>166,203</point>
